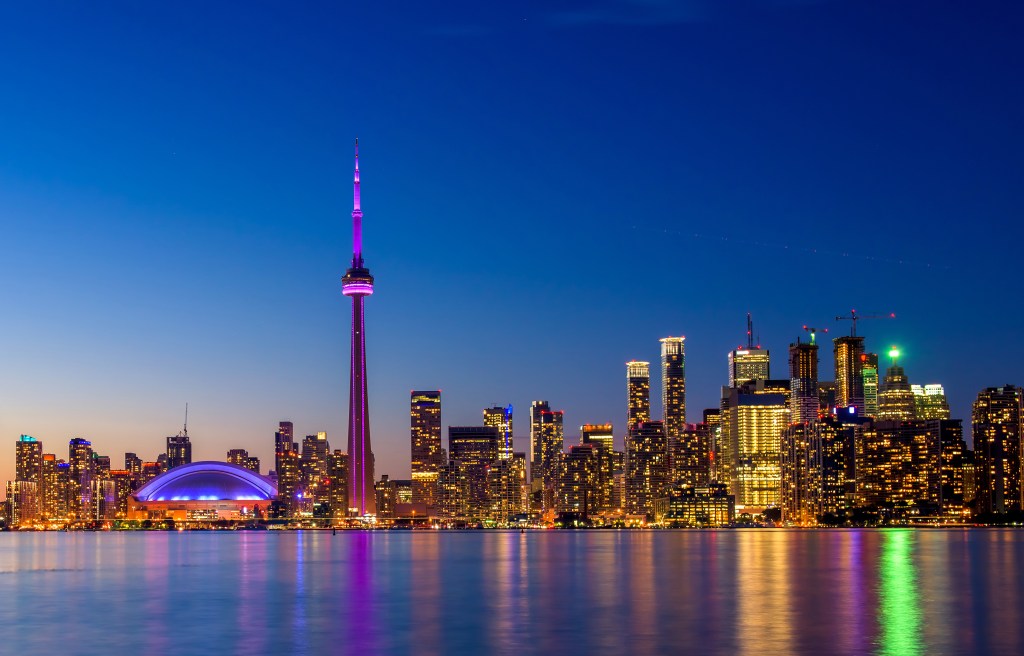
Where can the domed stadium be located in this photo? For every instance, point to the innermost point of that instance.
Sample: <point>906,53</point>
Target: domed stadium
<point>203,491</point>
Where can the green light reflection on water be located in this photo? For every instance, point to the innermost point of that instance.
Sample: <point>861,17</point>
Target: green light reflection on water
<point>900,611</point>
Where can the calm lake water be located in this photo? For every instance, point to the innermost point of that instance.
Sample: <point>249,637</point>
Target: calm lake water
<point>709,592</point>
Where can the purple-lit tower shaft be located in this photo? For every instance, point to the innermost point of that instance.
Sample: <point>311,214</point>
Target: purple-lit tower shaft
<point>358,283</point>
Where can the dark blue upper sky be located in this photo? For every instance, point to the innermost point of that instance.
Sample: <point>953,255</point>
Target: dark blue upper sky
<point>547,191</point>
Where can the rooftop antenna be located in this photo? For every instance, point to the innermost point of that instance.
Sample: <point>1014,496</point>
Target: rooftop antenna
<point>185,430</point>
<point>750,332</point>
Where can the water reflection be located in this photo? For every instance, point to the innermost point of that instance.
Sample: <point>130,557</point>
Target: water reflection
<point>715,592</point>
<point>899,609</point>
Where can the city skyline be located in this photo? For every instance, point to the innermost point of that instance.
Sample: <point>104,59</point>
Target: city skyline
<point>197,261</point>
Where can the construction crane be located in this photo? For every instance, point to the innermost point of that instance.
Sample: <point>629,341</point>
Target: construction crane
<point>812,331</point>
<point>854,318</point>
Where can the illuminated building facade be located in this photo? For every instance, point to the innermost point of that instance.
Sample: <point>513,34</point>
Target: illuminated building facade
<point>996,419</point>
<point>754,416</point>
<point>474,449</point>
<point>507,487</point>
<point>895,398</point>
<point>849,372</point>
<point>706,506</point>
<point>337,484</point>
<point>899,467</point>
<point>869,374</point>
<point>454,491</point>
<point>237,457</point>
<point>673,385</point>
<point>501,418</point>
<point>577,489</point>
<point>81,477</point>
<point>602,438</point>
<point>647,474</point>
<point>638,393</point>
<point>179,450</point>
<point>930,402</point>
<point>690,456</point>
<point>203,491</point>
<point>547,438</point>
<point>803,381</point>
<point>23,502</point>
<point>425,439</point>
<point>358,284</point>
<point>815,465</point>
<point>28,459</point>
<point>52,492</point>
<point>748,364</point>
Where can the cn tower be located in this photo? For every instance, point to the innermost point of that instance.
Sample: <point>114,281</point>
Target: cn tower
<point>358,284</point>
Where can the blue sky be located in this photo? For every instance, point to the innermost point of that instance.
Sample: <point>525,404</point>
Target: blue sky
<point>548,189</point>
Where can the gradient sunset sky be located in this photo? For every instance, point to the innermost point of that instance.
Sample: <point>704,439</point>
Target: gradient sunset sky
<point>548,189</point>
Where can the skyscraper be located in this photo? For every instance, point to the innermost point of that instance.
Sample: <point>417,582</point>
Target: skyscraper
<point>179,450</point>
<point>602,438</point>
<point>869,375</point>
<point>895,398</point>
<point>647,476</point>
<point>673,384</point>
<point>425,437</point>
<point>750,362</point>
<point>997,416</point>
<point>501,418</point>
<point>638,392</point>
<point>80,478</point>
<point>358,283</point>
<point>28,459</point>
<point>930,402</point>
<point>546,439</point>
<point>803,381</point>
<point>474,449</point>
<point>849,372</point>
<point>754,416</point>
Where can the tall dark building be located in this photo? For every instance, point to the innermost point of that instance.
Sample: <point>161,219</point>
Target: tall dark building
<point>996,418</point>
<point>474,449</point>
<point>427,453</point>
<point>547,438</point>
<point>358,284</point>
<point>179,449</point>
<point>337,481</point>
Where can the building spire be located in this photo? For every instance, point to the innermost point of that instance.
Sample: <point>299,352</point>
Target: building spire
<point>357,218</point>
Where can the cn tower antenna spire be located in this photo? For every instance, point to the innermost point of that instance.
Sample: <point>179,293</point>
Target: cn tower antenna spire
<point>357,218</point>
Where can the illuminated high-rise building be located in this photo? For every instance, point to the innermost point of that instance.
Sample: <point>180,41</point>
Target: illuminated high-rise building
<point>930,401</point>
<point>748,363</point>
<point>754,416</point>
<point>647,475</point>
<point>284,440</point>
<point>547,439</point>
<point>997,422</point>
<point>427,453</point>
<point>673,384</point>
<point>506,482</point>
<point>337,482</point>
<point>237,457</point>
<point>80,501</point>
<point>289,480</point>
<point>578,485</point>
<point>869,376</point>
<point>501,418</point>
<point>803,381</point>
<point>50,489</point>
<point>179,450</point>
<point>602,438</point>
<point>815,463</point>
<point>474,449</point>
<point>895,398</point>
<point>358,284</point>
<point>849,372</point>
<point>28,459</point>
<point>638,392</point>
<point>122,481</point>
<point>133,463</point>
<point>690,456</point>
<point>23,502</point>
<point>314,462</point>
